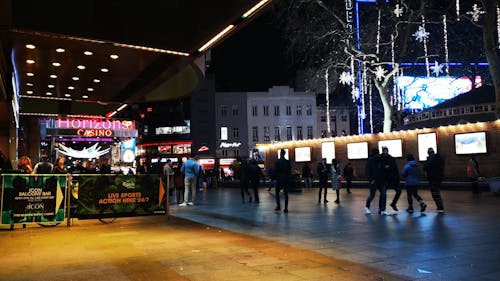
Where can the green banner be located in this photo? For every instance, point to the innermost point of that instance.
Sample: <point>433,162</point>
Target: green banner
<point>105,196</point>
<point>33,198</point>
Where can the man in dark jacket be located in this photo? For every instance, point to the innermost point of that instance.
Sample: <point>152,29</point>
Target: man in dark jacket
<point>434,169</point>
<point>322,170</point>
<point>394,179</point>
<point>282,171</point>
<point>377,172</point>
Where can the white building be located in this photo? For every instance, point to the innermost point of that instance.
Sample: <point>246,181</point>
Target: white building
<point>339,121</point>
<point>281,114</point>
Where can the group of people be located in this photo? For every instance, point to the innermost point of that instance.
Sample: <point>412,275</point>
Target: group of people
<point>336,173</point>
<point>25,166</point>
<point>382,173</point>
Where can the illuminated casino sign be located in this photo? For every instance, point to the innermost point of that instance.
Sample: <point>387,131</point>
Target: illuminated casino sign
<point>91,128</point>
<point>72,123</point>
<point>94,133</point>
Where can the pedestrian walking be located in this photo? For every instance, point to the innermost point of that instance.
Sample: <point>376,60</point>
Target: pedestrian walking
<point>283,171</point>
<point>322,170</point>
<point>411,174</point>
<point>179,185</point>
<point>434,169</point>
<point>307,175</point>
<point>244,172</point>
<point>190,169</point>
<point>336,173</point>
<point>348,175</point>
<point>473,173</point>
<point>377,172</point>
<point>393,181</point>
<point>255,176</point>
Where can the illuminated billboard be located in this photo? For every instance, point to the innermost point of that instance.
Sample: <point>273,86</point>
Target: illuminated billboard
<point>470,143</point>
<point>395,147</point>
<point>328,151</point>
<point>302,154</point>
<point>357,150</point>
<point>426,141</point>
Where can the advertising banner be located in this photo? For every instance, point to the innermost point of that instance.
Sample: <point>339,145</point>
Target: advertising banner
<point>33,198</point>
<point>107,196</point>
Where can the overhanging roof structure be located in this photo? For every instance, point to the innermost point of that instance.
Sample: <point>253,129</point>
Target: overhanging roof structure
<point>91,57</point>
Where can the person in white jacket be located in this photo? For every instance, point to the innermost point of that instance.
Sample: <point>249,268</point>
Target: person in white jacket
<point>336,172</point>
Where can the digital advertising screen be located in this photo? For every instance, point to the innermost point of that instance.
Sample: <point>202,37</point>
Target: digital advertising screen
<point>426,141</point>
<point>470,143</point>
<point>395,147</point>
<point>302,154</point>
<point>328,151</point>
<point>357,150</point>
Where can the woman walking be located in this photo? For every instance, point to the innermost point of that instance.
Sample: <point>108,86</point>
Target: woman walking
<point>411,173</point>
<point>336,173</point>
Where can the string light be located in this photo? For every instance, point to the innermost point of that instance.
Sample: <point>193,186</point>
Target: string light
<point>425,49</point>
<point>458,9</point>
<point>445,33</point>
<point>378,31</point>
<point>498,26</point>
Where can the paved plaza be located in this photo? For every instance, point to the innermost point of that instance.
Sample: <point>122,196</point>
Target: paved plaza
<point>221,239</point>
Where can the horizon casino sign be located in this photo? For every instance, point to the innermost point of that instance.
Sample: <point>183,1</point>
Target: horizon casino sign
<point>93,128</point>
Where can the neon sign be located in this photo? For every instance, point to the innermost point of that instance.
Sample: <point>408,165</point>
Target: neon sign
<point>94,133</point>
<point>71,123</point>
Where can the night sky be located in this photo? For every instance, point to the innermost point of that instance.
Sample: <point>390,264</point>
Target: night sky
<point>253,58</point>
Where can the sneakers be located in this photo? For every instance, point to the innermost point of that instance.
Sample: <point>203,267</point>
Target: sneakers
<point>410,210</point>
<point>440,210</point>
<point>367,210</point>
<point>277,208</point>
<point>325,201</point>
<point>422,207</point>
<point>394,207</point>
<point>190,203</point>
<point>385,213</point>
<point>337,201</point>
<point>183,204</point>
<point>285,210</point>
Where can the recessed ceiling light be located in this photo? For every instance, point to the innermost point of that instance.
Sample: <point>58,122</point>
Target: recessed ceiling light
<point>49,94</point>
<point>60,50</point>
<point>85,96</point>
<point>113,56</point>
<point>29,84</point>
<point>90,89</point>
<point>88,53</point>
<point>97,80</point>
<point>56,64</point>
<point>30,74</point>
<point>30,46</point>
<point>71,88</point>
<point>30,61</point>
<point>104,69</point>
<point>53,76</point>
<point>82,67</point>
<point>51,86</point>
<point>29,92</point>
<point>75,78</point>
<point>67,95</point>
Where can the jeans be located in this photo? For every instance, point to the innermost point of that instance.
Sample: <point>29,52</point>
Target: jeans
<point>382,188</point>
<point>189,185</point>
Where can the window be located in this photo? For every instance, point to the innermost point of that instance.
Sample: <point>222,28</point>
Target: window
<point>223,133</point>
<point>288,132</point>
<point>299,110</point>
<point>277,136</point>
<point>333,118</point>
<point>309,132</point>
<point>266,110</point>
<point>254,110</point>
<point>223,110</point>
<point>276,110</point>
<point>308,110</point>
<point>236,133</point>
<point>344,118</point>
<point>266,133</point>
<point>255,133</point>
<point>236,152</point>
<point>288,110</point>
<point>224,152</point>
<point>299,132</point>
<point>322,118</point>
<point>235,110</point>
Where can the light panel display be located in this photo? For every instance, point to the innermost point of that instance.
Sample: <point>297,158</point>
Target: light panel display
<point>302,154</point>
<point>426,141</point>
<point>470,143</point>
<point>357,150</point>
<point>328,151</point>
<point>395,147</point>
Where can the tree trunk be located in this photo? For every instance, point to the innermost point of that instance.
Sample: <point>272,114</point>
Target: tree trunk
<point>386,102</point>
<point>490,48</point>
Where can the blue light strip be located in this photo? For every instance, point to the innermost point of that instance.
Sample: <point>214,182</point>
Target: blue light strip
<point>360,86</point>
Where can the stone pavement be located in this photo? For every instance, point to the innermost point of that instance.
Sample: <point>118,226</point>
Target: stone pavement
<point>462,244</point>
<point>222,239</point>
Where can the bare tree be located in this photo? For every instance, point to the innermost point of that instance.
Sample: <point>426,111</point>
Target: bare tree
<point>321,37</point>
